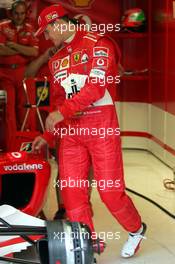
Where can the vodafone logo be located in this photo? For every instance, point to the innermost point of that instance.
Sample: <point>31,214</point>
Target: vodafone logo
<point>16,155</point>
<point>23,167</point>
<point>100,62</point>
<point>82,3</point>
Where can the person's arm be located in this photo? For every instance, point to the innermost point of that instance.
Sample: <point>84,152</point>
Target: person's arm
<point>33,68</point>
<point>57,97</point>
<point>35,65</point>
<point>92,92</point>
<point>22,49</point>
<point>6,51</point>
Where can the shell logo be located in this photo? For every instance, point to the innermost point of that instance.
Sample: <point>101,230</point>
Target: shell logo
<point>64,63</point>
<point>82,3</point>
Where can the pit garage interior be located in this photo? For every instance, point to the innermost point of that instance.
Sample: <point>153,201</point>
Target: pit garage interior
<point>145,103</point>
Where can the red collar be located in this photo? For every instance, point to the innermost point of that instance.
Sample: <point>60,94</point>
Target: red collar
<point>15,27</point>
<point>69,47</point>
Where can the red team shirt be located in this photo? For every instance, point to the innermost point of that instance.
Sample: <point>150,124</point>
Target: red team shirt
<point>23,36</point>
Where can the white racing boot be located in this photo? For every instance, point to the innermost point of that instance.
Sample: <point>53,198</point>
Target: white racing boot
<point>132,245</point>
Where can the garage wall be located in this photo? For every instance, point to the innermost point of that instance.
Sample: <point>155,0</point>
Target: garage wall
<point>147,107</point>
<point>163,81</point>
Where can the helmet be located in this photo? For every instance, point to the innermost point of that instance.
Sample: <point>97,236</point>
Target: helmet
<point>134,20</point>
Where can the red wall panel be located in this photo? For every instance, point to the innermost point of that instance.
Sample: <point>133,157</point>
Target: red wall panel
<point>133,91</point>
<point>170,62</point>
<point>163,56</point>
<point>158,53</point>
<point>135,57</point>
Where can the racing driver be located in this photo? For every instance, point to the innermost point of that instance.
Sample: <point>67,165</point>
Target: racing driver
<point>83,103</point>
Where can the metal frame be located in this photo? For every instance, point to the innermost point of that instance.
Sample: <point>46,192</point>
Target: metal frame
<point>36,106</point>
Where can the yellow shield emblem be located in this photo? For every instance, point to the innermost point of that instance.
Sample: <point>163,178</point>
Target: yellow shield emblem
<point>42,93</point>
<point>82,3</point>
<point>76,57</point>
<point>65,63</point>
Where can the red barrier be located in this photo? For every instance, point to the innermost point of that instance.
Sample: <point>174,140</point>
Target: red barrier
<point>3,99</point>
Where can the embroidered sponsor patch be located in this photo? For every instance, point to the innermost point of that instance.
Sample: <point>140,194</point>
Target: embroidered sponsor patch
<point>79,57</point>
<point>97,73</point>
<point>51,16</point>
<point>101,52</point>
<point>100,63</point>
<point>60,75</point>
<point>55,65</point>
<point>76,58</point>
<point>84,58</point>
<point>65,63</point>
<point>73,84</point>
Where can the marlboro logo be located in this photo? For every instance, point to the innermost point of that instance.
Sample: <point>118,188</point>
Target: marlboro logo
<point>82,3</point>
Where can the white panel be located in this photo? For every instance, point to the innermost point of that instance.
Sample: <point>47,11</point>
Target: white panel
<point>169,159</point>
<point>170,130</point>
<point>157,125</point>
<point>170,138</point>
<point>134,116</point>
<point>157,150</point>
<point>143,117</point>
<point>135,142</point>
<point>157,129</point>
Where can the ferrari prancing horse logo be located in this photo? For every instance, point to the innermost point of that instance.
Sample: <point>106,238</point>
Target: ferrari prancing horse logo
<point>76,57</point>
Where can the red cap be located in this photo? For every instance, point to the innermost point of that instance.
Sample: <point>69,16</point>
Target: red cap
<point>48,15</point>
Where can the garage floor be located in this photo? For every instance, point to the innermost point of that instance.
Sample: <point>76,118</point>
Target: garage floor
<point>143,173</point>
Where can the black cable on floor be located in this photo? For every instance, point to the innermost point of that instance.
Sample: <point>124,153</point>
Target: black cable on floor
<point>151,201</point>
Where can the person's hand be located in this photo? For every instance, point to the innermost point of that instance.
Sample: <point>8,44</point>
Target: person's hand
<point>52,51</point>
<point>52,119</point>
<point>11,44</point>
<point>48,54</point>
<point>38,143</point>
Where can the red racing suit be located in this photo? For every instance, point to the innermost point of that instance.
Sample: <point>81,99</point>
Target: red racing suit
<point>84,73</point>
<point>14,65</point>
